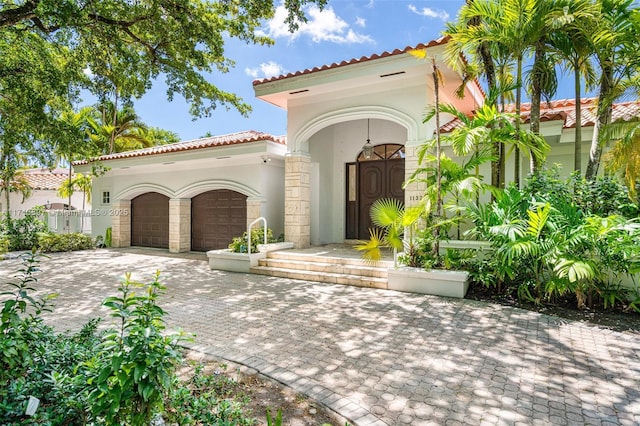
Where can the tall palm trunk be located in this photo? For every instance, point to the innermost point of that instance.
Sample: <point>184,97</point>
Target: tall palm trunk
<point>6,179</point>
<point>536,95</point>
<point>516,166</point>
<point>70,193</point>
<point>501,159</point>
<point>603,118</point>
<point>114,122</point>
<point>577,145</point>
<point>436,229</point>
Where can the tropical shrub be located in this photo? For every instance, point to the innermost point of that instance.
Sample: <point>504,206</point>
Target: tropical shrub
<point>107,237</point>
<point>22,233</point>
<point>239,244</point>
<point>546,246</point>
<point>602,196</point>
<point>135,365</point>
<point>51,243</point>
<point>4,245</point>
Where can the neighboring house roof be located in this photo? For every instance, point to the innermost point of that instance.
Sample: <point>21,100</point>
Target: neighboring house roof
<point>432,43</point>
<point>564,110</point>
<point>248,136</point>
<point>45,179</point>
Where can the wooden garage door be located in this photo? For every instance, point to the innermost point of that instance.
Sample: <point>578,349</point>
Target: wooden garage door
<point>150,220</point>
<point>216,217</point>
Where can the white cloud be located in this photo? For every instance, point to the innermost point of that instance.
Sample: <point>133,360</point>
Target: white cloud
<point>322,25</point>
<point>430,13</point>
<point>265,70</point>
<point>361,22</point>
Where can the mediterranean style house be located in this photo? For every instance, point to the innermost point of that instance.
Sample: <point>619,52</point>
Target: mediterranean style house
<point>352,133</point>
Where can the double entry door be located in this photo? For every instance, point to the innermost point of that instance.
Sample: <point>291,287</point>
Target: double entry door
<point>368,181</point>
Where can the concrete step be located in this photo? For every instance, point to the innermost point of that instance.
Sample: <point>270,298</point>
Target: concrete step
<point>317,266</point>
<point>325,277</point>
<point>304,257</point>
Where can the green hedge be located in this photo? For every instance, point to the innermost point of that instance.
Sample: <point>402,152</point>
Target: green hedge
<point>51,243</point>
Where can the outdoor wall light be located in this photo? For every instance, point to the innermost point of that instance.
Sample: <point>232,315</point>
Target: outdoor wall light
<point>367,149</point>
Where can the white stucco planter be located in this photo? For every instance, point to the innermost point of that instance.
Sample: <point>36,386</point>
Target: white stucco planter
<point>225,260</point>
<point>433,281</point>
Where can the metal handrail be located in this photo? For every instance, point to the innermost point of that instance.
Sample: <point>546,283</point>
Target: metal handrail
<point>249,232</point>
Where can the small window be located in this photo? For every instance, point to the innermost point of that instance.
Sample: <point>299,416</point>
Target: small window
<point>106,197</point>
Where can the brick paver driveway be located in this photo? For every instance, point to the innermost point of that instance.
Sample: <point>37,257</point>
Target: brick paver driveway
<point>376,357</point>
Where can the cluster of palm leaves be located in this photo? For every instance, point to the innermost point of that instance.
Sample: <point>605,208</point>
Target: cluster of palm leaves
<point>546,246</point>
<point>516,45</point>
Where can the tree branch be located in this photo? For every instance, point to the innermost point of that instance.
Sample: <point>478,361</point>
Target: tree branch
<point>10,17</point>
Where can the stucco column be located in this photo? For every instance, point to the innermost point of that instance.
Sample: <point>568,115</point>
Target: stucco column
<point>254,209</point>
<point>179,225</point>
<point>297,199</point>
<point>121,223</point>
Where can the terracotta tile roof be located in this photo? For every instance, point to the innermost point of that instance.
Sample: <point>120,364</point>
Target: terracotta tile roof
<point>45,179</point>
<point>564,110</point>
<point>209,142</point>
<point>432,43</point>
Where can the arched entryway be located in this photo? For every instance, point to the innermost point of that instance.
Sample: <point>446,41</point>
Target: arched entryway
<point>216,218</point>
<point>368,179</point>
<point>150,220</point>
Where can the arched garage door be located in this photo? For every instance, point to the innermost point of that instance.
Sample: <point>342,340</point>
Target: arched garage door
<point>150,220</point>
<point>216,217</point>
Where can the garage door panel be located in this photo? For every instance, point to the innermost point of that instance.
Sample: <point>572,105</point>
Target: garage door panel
<point>150,220</point>
<point>216,218</point>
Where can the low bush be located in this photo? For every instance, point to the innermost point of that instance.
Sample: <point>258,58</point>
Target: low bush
<point>239,244</point>
<point>52,243</point>
<point>4,245</point>
<point>22,233</point>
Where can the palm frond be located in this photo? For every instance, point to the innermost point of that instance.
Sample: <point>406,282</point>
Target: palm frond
<point>386,212</point>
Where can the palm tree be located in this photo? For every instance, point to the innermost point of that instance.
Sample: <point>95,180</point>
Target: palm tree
<point>73,142</point>
<point>79,182</point>
<point>483,63</point>
<point>14,181</point>
<point>508,24</point>
<point>572,50</point>
<point>624,157</point>
<point>614,41</point>
<point>12,176</point>
<point>118,131</point>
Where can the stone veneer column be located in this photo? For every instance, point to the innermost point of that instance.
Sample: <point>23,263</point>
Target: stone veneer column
<point>297,199</point>
<point>412,193</point>
<point>121,223</point>
<point>179,225</point>
<point>254,209</point>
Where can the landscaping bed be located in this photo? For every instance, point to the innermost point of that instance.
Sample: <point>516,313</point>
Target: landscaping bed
<point>261,393</point>
<point>615,319</point>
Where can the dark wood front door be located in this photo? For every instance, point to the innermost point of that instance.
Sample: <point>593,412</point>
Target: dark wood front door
<point>377,179</point>
<point>368,181</point>
<point>150,220</point>
<point>216,218</point>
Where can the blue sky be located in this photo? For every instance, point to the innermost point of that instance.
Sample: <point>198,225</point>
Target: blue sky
<point>345,29</point>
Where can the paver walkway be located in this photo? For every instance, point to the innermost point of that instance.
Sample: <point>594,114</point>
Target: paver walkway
<point>376,357</point>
